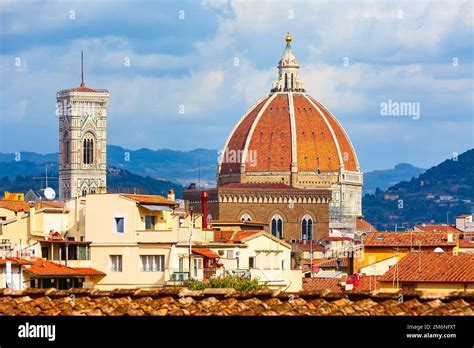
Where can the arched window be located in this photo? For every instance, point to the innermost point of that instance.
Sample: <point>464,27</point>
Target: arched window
<point>276,226</point>
<point>88,149</point>
<point>84,192</point>
<point>66,148</point>
<point>246,217</point>
<point>307,228</point>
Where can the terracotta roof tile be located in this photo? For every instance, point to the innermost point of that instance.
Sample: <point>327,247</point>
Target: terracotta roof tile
<point>362,225</point>
<point>408,239</point>
<point>16,206</point>
<point>205,252</point>
<point>15,261</point>
<point>169,302</point>
<point>438,228</point>
<point>433,267</point>
<point>154,199</point>
<point>42,267</point>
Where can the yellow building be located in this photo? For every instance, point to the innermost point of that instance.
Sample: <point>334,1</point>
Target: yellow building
<point>434,272</point>
<point>379,246</point>
<point>13,196</point>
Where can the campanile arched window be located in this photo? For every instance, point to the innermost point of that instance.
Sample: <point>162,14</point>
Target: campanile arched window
<point>276,226</point>
<point>88,149</point>
<point>307,228</point>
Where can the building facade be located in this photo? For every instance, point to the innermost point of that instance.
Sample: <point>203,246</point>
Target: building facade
<point>82,115</point>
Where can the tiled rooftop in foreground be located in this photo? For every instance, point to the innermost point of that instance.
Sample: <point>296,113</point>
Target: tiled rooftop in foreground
<point>179,302</point>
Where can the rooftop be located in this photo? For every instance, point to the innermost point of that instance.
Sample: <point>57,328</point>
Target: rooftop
<point>408,239</point>
<point>437,228</point>
<point>42,267</point>
<point>227,302</point>
<point>433,267</point>
<point>152,199</point>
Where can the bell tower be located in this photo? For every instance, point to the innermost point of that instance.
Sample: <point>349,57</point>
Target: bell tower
<point>82,115</point>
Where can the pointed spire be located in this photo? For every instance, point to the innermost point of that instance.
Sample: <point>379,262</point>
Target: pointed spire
<point>288,80</point>
<point>82,68</point>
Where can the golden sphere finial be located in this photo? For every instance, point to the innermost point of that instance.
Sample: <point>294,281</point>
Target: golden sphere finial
<point>288,38</point>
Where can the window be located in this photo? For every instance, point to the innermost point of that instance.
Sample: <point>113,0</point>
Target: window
<point>246,217</point>
<point>150,221</point>
<point>283,264</point>
<point>84,192</point>
<point>276,261</point>
<point>152,263</point>
<point>116,263</point>
<point>277,226</point>
<point>230,254</point>
<point>119,224</point>
<point>307,228</point>
<point>88,149</point>
<point>252,262</point>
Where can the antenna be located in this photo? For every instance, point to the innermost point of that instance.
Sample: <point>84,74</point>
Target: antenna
<point>82,68</point>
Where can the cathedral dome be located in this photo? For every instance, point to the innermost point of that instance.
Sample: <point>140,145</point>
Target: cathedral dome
<point>287,135</point>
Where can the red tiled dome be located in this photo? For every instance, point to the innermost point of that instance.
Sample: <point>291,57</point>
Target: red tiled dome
<point>286,128</point>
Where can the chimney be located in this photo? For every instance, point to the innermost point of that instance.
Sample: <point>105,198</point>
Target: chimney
<point>350,263</point>
<point>204,198</point>
<point>171,195</point>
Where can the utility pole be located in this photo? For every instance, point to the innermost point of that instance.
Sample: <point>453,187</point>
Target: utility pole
<point>190,239</point>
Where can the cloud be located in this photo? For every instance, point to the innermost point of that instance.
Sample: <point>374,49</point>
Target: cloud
<point>221,59</point>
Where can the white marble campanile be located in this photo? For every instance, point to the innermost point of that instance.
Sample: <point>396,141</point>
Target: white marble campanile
<point>82,115</point>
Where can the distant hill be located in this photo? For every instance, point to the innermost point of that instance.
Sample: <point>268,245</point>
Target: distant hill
<point>383,179</point>
<point>179,166</point>
<point>441,193</point>
<point>118,180</point>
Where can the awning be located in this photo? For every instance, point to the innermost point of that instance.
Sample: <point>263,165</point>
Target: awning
<point>156,207</point>
<point>205,252</point>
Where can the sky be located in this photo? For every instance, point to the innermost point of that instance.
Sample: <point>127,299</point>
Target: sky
<point>182,73</point>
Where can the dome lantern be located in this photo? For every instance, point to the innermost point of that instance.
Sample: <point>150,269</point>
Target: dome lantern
<point>288,67</point>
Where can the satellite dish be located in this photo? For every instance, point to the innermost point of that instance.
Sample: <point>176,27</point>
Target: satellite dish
<point>49,193</point>
<point>438,250</point>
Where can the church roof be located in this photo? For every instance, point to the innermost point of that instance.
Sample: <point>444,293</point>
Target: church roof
<point>287,130</point>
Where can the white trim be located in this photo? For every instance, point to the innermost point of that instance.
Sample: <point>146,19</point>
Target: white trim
<point>294,154</point>
<point>254,125</point>
<point>339,154</point>
<point>234,129</point>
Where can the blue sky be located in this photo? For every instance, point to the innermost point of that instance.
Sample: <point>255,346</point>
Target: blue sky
<point>413,51</point>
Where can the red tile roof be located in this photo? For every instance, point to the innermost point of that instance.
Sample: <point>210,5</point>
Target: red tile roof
<point>332,263</point>
<point>322,284</point>
<point>466,244</point>
<point>408,239</point>
<point>42,267</point>
<point>437,228</point>
<point>205,252</point>
<point>15,261</point>
<point>362,225</point>
<point>233,236</point>
<point>15,206</point>
<point>364,283</point>
<point>83,88</point>
<point>153,199</point>
<point>433,267</point>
